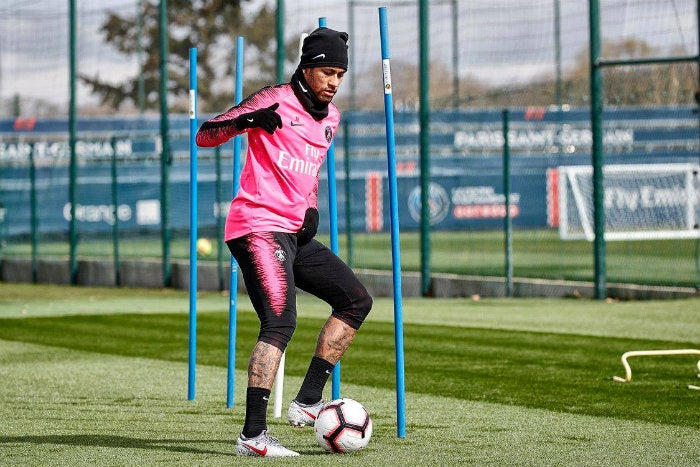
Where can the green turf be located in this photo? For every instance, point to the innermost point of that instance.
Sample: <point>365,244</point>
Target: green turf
<point>537,253</point>
<point>97,376</point>
<point>563,372</point>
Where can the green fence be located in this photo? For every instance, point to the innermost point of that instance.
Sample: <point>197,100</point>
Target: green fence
<point>530,57</point>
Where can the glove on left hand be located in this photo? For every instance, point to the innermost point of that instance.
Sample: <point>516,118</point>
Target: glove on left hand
<point>309,227</point>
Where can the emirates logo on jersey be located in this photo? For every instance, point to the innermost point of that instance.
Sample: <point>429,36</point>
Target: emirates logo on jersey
<point>329,134</point>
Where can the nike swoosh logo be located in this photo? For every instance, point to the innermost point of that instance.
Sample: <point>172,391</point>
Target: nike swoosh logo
<point>328,372</point>
<point>250,120</point>
<point>266,398</point>
<point>302,88</point>
<point>262,452</point>
<point>319,56</point>
<point>313,417</point>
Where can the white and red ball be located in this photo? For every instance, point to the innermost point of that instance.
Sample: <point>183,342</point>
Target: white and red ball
<point>343,425</point>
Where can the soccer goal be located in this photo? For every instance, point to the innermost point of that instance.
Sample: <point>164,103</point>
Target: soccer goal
<point>642,201</point>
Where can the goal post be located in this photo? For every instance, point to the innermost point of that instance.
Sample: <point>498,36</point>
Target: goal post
<point>642,202</point>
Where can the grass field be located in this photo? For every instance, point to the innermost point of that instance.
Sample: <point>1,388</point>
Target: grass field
<point>97,376</point>
<point>536,254</point>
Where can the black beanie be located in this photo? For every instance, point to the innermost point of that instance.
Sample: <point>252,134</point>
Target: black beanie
<point>325,47</point>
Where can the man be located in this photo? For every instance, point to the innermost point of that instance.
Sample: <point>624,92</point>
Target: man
<point>271,224</point>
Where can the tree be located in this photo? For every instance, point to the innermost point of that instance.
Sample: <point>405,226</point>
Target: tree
<point>210,25</point>
<point>662,84</point>
<point>407,79</point>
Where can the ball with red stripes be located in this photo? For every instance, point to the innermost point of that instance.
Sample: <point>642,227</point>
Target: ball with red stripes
<point>343,425</point>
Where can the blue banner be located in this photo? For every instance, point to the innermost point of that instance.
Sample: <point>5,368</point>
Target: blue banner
<point>466,190</point>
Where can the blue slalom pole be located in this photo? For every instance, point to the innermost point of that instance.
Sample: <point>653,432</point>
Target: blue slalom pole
<point>333,214</point>
<point>233,280</point>
<point>395,250</point>
<point>193,227</point>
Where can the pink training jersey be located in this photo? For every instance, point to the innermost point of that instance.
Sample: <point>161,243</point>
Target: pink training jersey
<point>280,178</point>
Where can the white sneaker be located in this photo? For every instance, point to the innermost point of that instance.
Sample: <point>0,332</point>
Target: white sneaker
<point>300,415</point>
<point>262,445</point>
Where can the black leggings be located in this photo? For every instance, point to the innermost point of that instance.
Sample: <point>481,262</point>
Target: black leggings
<point>273,264</point>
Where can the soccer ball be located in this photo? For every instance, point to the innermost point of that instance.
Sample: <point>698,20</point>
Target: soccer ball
<point>204,247</point>
<point>343,425</point>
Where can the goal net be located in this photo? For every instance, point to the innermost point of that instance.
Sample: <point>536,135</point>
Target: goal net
<point>642,202</point>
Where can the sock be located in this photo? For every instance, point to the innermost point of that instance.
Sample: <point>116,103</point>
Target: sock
<point>255,411</point>
<point>316,377</point>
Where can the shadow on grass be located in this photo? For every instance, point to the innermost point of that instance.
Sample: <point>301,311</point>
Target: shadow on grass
<point>106,441</point>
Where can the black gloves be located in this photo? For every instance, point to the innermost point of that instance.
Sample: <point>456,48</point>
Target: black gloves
<point>267,119</point>
<point>309,227</point>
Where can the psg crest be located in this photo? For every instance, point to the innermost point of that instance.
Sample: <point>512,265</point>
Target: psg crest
<point>329,134</point>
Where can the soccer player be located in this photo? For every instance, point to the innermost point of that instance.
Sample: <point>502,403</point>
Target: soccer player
<point>271,225</point>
